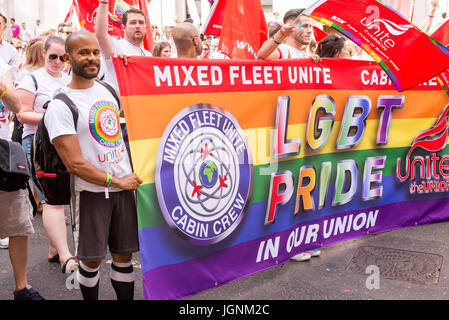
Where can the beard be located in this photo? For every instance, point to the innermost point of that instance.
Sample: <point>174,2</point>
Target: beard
<point>78,69</point>
<point>138,37</point>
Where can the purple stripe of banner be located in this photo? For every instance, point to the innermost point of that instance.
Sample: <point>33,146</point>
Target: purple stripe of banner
<point>190,277</point>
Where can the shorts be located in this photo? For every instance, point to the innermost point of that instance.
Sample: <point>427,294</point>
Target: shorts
<point>15,214</point>
<point>104,222</point>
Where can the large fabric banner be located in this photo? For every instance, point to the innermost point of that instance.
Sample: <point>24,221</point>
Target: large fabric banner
<point>247,163</point>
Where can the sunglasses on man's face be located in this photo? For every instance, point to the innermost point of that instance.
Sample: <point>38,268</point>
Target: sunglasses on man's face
<point>53,57</point>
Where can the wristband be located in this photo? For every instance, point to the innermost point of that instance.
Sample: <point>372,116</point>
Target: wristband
<point>3,93</point>
<point>104,2</point>
<point>278,43</point>
<point>108,182</point>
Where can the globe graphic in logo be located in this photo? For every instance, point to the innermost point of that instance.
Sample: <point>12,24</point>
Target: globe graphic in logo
<point>208,174</point>
<point>204,174</point>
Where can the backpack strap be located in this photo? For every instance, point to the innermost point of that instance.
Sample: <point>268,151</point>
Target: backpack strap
<point>34,80</point>
<point>111,90</point>
<point>64,98</point>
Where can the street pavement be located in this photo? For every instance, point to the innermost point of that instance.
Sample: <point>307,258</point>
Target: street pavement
<point>321,278</point>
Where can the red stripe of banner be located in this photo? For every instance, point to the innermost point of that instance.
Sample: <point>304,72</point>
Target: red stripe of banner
<point>180,76</point>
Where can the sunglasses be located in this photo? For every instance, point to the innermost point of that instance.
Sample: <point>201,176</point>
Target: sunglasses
<point>53,57</point>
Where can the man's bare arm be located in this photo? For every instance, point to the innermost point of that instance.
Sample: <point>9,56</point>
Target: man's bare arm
<point>69,150</point>
<point>101,29</point>
<point>10,99</point>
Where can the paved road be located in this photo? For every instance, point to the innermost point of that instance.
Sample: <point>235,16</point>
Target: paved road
<point>325,277</point>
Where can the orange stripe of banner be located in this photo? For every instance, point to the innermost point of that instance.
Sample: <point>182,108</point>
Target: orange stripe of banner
<point>150,121</point>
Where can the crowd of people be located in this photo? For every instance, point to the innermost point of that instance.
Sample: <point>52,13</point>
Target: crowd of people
<point>38,65</point>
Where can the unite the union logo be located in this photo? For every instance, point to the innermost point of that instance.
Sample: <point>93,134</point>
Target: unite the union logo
<point>204,174</point>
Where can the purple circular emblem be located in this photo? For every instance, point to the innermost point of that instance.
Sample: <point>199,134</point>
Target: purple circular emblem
<point>204,174</point>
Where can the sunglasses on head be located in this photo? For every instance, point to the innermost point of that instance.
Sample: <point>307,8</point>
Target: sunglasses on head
<point>53,57</point>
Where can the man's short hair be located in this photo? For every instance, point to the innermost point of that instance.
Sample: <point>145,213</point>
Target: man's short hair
<point>292,14</point>
<point>132,10</point>
<point>4,18</point>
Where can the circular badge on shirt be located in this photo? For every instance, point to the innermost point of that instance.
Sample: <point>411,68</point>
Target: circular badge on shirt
<point>104,124</point>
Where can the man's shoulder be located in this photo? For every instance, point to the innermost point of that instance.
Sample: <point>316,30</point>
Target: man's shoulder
<point>8,46</point>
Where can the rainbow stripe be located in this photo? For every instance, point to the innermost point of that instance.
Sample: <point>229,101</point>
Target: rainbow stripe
<point>121,7</point>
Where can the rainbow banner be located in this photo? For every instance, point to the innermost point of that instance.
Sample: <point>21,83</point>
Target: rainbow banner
<point>247,163</point>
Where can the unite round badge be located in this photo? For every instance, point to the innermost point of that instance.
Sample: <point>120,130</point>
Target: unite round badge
<point>204,174</point>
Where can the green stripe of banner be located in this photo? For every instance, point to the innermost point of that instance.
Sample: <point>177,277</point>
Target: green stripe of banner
<point>150,214</point>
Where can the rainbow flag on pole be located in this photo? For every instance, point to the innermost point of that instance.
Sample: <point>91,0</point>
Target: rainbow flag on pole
<point>121,7</point>
<point>247,163</point>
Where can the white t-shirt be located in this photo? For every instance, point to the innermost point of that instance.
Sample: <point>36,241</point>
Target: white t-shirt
<point>25,35</point>
<point>98,131</point>
<point>4,113</point>
<point>21,74</point>
<point>122,46</point>
<point>9,55</point>
<point>289,52</point>
<point>47,88</point>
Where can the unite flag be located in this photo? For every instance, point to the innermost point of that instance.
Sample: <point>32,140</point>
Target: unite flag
<point>442,36</point>
<point>386,36</point>
<point>241,26</point>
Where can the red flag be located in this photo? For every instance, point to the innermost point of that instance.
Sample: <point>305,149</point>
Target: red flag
<point>404,7</point>
<point>148,42</point>
<point>442,34</point>
<point>318,34</point>
<point>400,48</point>
<point>244,29</point>
<point>69,16</point>
<point>214,22</point>
<point>87,15</point>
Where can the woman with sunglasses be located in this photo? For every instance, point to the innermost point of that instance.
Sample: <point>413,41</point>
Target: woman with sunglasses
<point>34,90</point>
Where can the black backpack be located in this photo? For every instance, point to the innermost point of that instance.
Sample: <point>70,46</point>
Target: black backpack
<point>48,170</point>
<point>14,169</point>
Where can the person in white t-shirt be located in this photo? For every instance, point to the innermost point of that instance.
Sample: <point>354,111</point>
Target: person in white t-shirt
<point>7,51</point>
<point>134,27</point>
<point>15,211</point>
<point>94,152</point>
<point>292,40</point>
<point>34,91</point>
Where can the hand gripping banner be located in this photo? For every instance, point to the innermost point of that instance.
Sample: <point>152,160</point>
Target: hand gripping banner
<point>404,52</point>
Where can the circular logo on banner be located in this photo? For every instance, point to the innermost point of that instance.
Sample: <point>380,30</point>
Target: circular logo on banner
<point>204,174</point>
<point>104,124</point>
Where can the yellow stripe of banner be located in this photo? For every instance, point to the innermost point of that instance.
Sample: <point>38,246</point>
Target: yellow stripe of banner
<point>402,132</point>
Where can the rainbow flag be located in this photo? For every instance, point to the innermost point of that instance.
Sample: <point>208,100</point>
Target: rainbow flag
<point>121,7</point>
<point>247,163</point>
